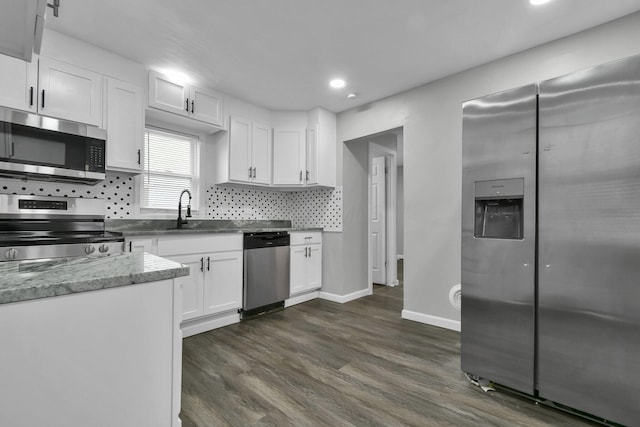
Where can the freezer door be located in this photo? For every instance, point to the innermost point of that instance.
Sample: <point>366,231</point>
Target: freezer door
<point>498,237</point>
<point>589,247</point>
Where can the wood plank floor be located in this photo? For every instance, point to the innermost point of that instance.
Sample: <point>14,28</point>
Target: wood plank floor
<point>354,364</point>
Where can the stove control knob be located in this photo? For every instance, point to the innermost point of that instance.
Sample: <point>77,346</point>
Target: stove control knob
<point>103,248</point>
<point>11,253</point>
<point>89,249</point>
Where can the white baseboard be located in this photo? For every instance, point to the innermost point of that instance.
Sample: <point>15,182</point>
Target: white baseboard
<point>440,322</point>
<point>345,298</point>
<point>197,326</point>
<point>301,298</point>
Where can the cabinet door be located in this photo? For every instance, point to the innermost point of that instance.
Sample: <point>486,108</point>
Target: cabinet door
<point>18,83</point>
<point>206,105</point>
<point>311,176</point>
<point>223,282</point>
<point>168,95</point>
<point>192,285</point>
<point>298,266</point>
<point>239,149</point>
<point>288,157</point>
<point>314,267</point>
<point>69,92</point>
<point>125,126</point>
<point>261,153</point>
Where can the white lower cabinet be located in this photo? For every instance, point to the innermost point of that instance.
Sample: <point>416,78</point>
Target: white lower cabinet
<point>306,262</point>
<point>214,284</point>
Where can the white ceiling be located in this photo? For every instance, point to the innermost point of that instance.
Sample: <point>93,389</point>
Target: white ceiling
<point>280,54</point>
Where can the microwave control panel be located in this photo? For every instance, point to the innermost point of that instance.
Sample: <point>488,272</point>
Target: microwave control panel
<point>95,156</point>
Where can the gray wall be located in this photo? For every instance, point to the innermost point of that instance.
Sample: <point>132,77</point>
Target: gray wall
<point>431,116</point>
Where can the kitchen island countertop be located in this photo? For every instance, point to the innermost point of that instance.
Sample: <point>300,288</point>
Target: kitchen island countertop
<point>27,280</point>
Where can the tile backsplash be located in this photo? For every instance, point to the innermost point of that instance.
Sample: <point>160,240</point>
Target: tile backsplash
<point>316,207</point>
<point>117,189</point>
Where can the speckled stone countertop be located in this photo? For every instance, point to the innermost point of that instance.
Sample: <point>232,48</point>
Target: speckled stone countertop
<point>157,227</point>
<point>27,280</point>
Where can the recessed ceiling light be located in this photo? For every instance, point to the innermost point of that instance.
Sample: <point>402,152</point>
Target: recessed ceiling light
<point>538,2</point>
<point>351,95</point>
<point>337,83</point>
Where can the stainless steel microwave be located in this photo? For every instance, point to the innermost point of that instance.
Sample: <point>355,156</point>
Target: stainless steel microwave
<point>43,148</point>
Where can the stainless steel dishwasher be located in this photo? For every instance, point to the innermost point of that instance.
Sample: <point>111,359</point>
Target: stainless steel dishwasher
<point>266,271</point>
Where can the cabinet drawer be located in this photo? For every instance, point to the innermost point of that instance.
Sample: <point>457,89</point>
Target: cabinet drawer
<point>189,244</point>
<point>305,237</point>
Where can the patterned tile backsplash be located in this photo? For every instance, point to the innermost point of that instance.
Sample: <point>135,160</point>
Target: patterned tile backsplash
<point>317,207</point>
<point>117,190</point>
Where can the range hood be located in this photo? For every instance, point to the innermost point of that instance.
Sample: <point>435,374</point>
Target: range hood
<point>21,27</point>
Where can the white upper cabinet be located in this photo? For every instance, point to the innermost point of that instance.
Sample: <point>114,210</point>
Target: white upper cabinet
<point>18,83</point>
<point>289,157</point>
<point>304,154</point>
<point>21,27</point>
<point>51,88</point>
<point>243,154</point>
<point>261,153</point>
<point>204,105</point>
<point>69,92</point>
<point>168,95</point>
<point>124,121</point>
<point>311,155</point>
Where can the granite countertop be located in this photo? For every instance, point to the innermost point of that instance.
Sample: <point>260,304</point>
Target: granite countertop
<point>27,280</point>
<point>159,227</point>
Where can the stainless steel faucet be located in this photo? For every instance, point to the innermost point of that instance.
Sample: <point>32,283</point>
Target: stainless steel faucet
<point>181,221</point>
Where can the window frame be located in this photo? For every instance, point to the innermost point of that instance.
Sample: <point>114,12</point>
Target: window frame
<point>197,180</point>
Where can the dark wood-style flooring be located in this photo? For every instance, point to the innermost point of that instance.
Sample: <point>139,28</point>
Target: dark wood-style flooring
<point>355,364</point>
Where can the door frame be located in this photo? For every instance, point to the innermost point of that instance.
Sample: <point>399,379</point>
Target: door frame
<point>376,150</point>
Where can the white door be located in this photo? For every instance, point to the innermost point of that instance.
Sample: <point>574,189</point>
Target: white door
<point>239,149</point>
<point>288,157</point>
<point>314,267</point>
<point>192,285</point>
<point>125,126</point>
<point>378,221</point>
<point>298,268</point>
<point>69,92</point>
<point>223,282</point>
<point>311,177</point>
<point>18,83</point>
<point>261,153</point>
<point>206,105</point>
<point>168,95</point>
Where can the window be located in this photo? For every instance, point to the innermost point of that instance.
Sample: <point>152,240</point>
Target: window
<point>171,163</point>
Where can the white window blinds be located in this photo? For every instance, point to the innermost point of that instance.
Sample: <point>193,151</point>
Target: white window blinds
<point>170,166</point>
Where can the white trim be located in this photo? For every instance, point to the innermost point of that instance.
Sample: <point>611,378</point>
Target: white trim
<point>441,322</point>
<point>197,326</point>
<point>400,256</point>
<point>301,298</point>
<point>345,298</point>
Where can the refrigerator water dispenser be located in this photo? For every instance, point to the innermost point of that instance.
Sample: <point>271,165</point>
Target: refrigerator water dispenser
<point>498,209</point>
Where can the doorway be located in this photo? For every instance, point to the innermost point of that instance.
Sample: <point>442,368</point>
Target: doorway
<point>382,212</point>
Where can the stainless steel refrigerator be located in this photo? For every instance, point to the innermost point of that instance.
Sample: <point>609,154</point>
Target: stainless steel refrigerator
<point>551,240</point>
